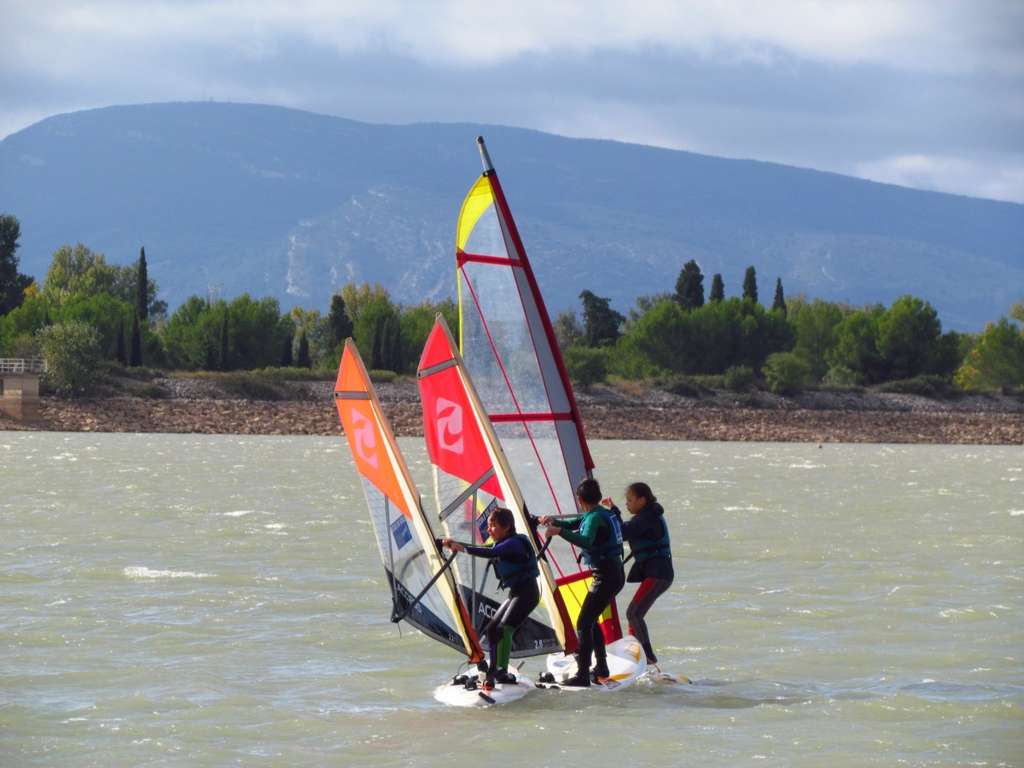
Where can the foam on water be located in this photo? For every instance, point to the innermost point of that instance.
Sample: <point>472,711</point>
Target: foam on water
<point>838,616</point>
<point>142,572</point>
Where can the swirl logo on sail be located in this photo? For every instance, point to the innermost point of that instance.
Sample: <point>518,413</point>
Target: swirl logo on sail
<point>449,425</point>
<point>365,439</point>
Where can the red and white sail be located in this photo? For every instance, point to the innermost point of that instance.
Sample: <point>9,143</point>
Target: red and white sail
<point>510,350</point>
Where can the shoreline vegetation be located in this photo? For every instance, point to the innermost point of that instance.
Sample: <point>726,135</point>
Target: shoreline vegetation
<point>261,403</point>
<point>680,365</point>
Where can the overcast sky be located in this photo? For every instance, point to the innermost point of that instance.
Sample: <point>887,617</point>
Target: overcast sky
<point>928,94</point>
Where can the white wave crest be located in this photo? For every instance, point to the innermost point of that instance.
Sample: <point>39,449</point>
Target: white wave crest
<point>142,572</point>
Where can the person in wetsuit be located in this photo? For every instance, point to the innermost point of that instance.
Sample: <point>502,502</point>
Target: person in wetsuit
<point>598,533</point>
<point>647,534</point>
<point>515,564</point>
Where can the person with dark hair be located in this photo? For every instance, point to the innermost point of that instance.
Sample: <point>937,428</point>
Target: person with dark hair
<point>647,534</point>
<point>515,564</point>
<point>598,533</point>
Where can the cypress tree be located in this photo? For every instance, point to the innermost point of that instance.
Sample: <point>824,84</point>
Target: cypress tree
<point>224,340</point>
<point>717,288</point>
<point>690,286</point>
<point>136,356</point>
<point>780,297</point>
<point>142,287</point>
<point>338,319</point>
<point>750,285</point>
<point>286,352</point>
<point>303,356</point>
<point>122,352</point>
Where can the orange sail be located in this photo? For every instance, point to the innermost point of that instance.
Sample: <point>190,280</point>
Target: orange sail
<point>423,590</point>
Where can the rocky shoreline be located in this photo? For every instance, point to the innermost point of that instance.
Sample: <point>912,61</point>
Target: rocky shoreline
<point>624,412</point>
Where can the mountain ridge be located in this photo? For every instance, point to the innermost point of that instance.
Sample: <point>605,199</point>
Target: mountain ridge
<point>292,204</point>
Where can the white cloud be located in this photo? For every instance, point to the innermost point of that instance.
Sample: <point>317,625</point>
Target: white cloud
<point>932,35</point>
<point>996,179</point>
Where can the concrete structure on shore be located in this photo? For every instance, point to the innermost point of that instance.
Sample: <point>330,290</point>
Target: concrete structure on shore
<point>19,388</point>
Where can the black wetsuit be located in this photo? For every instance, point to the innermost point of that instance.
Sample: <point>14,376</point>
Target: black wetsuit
<point>602,552</point>
<point>517,571</point>
<point>647,534</point>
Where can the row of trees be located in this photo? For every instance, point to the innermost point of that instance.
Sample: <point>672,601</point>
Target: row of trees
<point>812,341</point>
<point>103,311</point>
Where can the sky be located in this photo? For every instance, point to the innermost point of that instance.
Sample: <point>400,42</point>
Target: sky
<point>923,93</point>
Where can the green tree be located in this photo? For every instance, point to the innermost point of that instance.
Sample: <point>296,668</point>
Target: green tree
<point>690,286</point>
<point>568,330</point>
<point>23,321</point>
<point>416,323</point>
<point>907,337</point>
<point>601,323</point>
<point>225,349</point>
<point>338,320</point>
<point>257,331</point>
<point>102,311</point>
<point>302,359</point>
<point>359,297</point>
<point>122,352</point>
<point>127,287</point>
<point>190,333</point>
<point>786,372</point>
<point>717,288</point>
<point>997,358</point>
<point>135,358</point>
<point>855,346</point>
<point>780,297</point>
<point>374,331</point>
<point>72,354</point>
<point>287,358</point>
<point>815,326</point>
<point>12,282</point>
<point>750,284</point>
<point>587,365</point>
<point>78,271</point>
<point>387,344</point>
<point>142,287</point>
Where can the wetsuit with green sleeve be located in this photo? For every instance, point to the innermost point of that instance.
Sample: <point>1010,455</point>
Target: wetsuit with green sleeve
<point>599,535</point>
<point>515,564</point>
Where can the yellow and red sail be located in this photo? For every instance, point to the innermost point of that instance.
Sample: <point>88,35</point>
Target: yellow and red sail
<point>510,350</point>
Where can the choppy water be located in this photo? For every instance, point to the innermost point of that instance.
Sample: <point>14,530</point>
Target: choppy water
<point>210,601</point>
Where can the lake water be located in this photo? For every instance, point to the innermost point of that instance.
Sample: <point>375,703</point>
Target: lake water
<point>218,600</point>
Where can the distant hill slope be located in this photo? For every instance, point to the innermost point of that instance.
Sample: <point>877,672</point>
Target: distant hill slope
<point>292,204</point>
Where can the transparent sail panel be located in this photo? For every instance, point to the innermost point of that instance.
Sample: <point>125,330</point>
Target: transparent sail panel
<point>408,569</point>
<point>464,518</point>
<point>486,238</point>
<point>495,299</point>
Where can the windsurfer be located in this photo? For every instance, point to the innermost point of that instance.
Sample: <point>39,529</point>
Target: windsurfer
<point>647,534</point>
<point>515,564</point>
<point>598,533</point>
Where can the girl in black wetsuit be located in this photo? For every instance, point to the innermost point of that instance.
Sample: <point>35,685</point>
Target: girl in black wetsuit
<point>515,564</point>
<point>647,534</point>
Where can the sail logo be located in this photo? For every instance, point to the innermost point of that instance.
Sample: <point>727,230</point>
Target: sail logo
<point>364,439</point>
<point>449,425</point>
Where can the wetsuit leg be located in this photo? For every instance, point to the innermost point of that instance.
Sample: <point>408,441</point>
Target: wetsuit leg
<point>513,612</point>
<point>603,588</point>
<point>649,591</point>
<point>493,632</point>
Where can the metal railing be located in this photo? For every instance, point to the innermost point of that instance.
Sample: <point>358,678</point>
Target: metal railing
<point>22,365</point>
